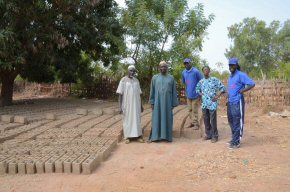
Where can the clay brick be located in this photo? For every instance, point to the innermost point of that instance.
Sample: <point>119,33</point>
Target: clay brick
<point>94,149</point>
<point>80,111</point>
<point>179,120</point>
<point>67,164</point>
<point>7,118</point>
<point>90,164</point>
<point>21,168</point>
<point>97,112</point>
<point>40,167</point>
<point>3,167</point>
<point>59,164</point>
<point>20,119</point>
<point>77,164</point>
<point>49,166</point>
<point>105,152</point>
<point>190,133</point>
<point>116,111</point>
<point>30,167</point>
<point>12,167</point>
<point>50,116</point>
<point>108,111</point>
<point>40,164</point>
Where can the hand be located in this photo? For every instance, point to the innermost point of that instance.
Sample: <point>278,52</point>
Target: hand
<point>120,111</point>
<point>152,107</point>
<point>215,98</point>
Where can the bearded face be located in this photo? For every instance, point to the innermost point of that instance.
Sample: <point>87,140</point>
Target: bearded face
<point>131,73</point>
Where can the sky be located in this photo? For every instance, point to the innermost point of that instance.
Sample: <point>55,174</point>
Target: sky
<point>229,12</point>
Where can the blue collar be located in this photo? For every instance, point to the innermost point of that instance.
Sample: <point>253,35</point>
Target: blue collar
<point>189,69</point>
<point>234,73</point>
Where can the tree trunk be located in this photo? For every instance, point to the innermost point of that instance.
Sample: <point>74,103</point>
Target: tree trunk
<point>7,89</point>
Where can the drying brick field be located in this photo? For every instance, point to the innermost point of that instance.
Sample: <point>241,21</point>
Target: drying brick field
<point>66,135</point>
<point>62,144</point>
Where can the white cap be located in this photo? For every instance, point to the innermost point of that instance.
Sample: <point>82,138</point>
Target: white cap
<point>131,67</point>
<point>163,63</point>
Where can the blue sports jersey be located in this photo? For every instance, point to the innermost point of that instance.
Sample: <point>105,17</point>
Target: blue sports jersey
<point>236,83</point>
<point>190,78</point>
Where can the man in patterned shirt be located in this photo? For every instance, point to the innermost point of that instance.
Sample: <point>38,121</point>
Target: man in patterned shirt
<point>210,88</point>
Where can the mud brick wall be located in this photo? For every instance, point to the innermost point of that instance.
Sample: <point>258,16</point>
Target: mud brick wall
<point>55,89</point>
<point>266,93</point>
<point>105,88</point>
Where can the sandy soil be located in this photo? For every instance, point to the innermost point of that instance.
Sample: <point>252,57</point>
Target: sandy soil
<point>261,164</point>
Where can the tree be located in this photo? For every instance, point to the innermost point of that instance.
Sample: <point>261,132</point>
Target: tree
<point>44,39</point>
<point>260,48</point>
<point>163,30</point>
<point>282,41</point>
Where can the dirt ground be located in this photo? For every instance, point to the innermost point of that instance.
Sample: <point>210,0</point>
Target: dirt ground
<point>261,164</point>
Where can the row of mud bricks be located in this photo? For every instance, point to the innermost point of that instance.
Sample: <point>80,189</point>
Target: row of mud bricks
<point>67,164</point>
<point>76,163</point>
<point>50,116</point>
<point>63,161</point>
<point>16,119</point>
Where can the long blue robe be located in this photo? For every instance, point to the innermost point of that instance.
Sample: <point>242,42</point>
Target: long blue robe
<point>163,96</point>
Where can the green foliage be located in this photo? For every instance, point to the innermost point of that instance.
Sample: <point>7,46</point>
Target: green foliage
<point>261,49</point>
<point>19,78</point>
<point>177,73</point>
<point>282,72</point>
<point>163,30</point>
<point>222,76</point>
<point>42,39</point>
<point>283,43</point>
<point>54,32</point>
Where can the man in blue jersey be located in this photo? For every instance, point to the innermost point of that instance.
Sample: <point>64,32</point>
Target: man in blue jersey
<point>190,77</point>
<point>238,84</point>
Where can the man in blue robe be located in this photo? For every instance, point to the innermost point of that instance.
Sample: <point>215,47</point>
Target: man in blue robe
<point>163,98</point>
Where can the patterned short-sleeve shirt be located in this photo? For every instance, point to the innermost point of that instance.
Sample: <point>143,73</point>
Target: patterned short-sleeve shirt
<point>210,87</point>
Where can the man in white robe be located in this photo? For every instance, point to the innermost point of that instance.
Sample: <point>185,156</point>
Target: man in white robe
<point>130,106</point>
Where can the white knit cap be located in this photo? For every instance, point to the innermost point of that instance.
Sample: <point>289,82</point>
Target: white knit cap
<point>163,63</point>
<point>131,67</point>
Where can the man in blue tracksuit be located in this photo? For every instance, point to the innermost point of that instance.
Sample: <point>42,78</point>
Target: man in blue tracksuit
<point>238,84</point>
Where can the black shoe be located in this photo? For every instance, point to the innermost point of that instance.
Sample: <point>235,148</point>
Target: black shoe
<point>206,138</point>
<point>214,140</point>
<point>232,146</point>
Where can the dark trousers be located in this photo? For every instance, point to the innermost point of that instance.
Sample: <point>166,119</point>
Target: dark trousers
<point>236,120</point>
<point>210,123</point>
